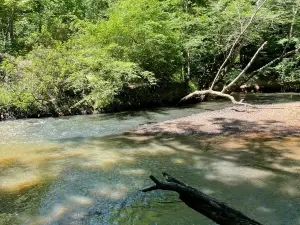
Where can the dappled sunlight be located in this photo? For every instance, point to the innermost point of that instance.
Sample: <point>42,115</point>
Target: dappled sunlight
<point>58,211</point>
<point>55,156</point>
<point>292,187</point>
<point>154,149</point>
<point>207,191</point>
<point>15,176</point>
<point>139,138</point>
<point>177,161</point>
<point>19,181</point>
<point>233,174</point>
<point>71,207</point>
<point>117,192</point>
<point>264,209</point>
<point>130,172</point>
<point>234,144</point>
<point>96,179</point>
<point>80,200</point>
<point>27,168</point>
<point>281,167</point>
<point>102,159</point>
<point>7,162</point>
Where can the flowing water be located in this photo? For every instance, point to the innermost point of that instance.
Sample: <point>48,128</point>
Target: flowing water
<point>86,170</point>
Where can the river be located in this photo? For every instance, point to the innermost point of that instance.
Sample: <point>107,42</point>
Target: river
<point>88,170</point>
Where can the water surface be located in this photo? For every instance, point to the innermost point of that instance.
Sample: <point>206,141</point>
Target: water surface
<point>86,170</point>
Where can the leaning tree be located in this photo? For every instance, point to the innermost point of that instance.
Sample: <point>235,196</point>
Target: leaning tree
<point>236,43</point>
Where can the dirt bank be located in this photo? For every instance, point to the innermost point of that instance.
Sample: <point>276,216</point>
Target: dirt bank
<point>276,119</point>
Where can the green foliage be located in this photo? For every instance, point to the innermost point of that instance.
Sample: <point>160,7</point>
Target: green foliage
<point>140,31</point>
<point>125,52</point>
<point>289,73</point>
<point>83,55</point>
<point>26,23</point>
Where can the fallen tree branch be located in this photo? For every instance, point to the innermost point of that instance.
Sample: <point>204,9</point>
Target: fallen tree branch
<point>216,93</point>
<point>210,91</point>
<point>202,203</point>
<point>221,93</point>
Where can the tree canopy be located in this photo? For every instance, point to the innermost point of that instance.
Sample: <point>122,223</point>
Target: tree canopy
<point>76,56</point>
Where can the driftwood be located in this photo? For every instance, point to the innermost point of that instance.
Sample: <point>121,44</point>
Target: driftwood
<point>216,93</point>
<point>202,203</point>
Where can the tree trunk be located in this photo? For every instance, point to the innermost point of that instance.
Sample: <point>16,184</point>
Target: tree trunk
<point>202,203</point>
<point>225,62</point>
<point>243,31</point>
<point>226,87</point>
<point>188,75</point>
<point>10,31</point>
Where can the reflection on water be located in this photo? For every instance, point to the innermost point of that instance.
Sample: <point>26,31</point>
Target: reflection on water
<point>89,177</point>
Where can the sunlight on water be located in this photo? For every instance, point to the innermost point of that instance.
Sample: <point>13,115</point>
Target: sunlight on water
<point>18,181</point>
<point>56,171</point>
<point>232,174</point>
<point>81,200</point>
<point>114,193</point>
<point>92,177</point>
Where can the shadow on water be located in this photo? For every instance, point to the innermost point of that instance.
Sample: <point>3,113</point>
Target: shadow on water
<point>72,177</point>
<point>95,180</point>
<point>268,98</point>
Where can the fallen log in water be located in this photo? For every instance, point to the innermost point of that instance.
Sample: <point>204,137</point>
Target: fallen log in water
<point>202,203</point>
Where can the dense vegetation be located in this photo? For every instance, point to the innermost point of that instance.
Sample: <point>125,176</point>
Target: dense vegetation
<point>79,56</point>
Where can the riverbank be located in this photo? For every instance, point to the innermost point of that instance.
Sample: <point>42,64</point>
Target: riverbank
<point>140,106</point>
<point>275,119</point>
<point>129,99</point>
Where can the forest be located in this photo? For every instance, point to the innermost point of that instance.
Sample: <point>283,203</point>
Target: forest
<point>235,154</point>
<point>83,56</point>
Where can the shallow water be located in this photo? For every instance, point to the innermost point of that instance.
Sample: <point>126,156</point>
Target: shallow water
<point>86,170</point>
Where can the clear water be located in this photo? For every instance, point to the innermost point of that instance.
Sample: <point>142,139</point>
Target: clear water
<point>86,170</point>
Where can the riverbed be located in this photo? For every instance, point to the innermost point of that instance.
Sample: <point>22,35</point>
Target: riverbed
<point>89,169</point>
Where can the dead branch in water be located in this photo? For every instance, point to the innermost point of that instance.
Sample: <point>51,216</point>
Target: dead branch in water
<point>202,203</point>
